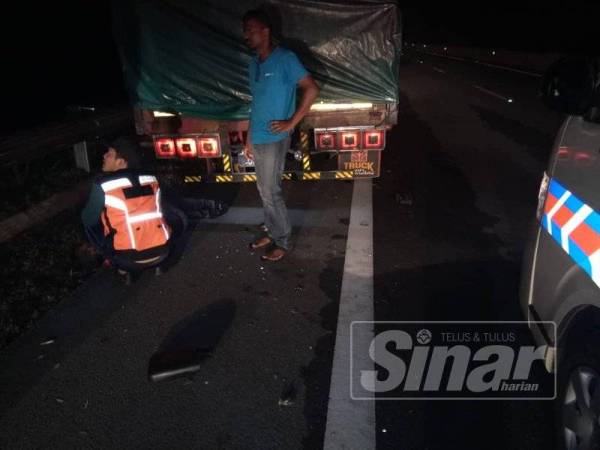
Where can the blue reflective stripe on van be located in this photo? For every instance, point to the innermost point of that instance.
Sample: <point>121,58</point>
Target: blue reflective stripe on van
<point>573,203</point>
<point>556,189</point>
<point>580,226</point>
<point>579,257</point>
<point>593,221</point>
<point>556,233</point>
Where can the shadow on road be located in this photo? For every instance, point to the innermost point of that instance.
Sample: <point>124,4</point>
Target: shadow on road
<point>191,341</point>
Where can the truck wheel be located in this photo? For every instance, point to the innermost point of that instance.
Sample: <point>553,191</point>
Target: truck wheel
<point>577,410</point>
<point>176,218</point>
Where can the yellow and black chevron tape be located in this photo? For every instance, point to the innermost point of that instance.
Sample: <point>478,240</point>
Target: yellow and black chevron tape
<point>311,176</point>
<point>227,163</point>
<point>249,178</point>
<point>224,178</point>
<point>192,179</point>
<point>286,176</point>
<point>306,161</point>
<point>304,141</point>
<point>343,175</point>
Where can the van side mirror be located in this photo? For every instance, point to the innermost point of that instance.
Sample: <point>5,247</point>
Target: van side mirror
<point>569,85</point>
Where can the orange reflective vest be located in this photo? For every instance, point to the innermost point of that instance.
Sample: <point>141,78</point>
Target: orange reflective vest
<point>132,213</point>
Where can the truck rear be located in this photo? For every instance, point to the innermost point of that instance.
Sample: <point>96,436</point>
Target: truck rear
<point>185,66</point>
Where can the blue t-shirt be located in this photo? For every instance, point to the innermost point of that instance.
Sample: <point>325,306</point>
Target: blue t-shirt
<point>273,86</point>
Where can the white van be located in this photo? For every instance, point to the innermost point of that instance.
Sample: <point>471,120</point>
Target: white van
<point>561,268</point>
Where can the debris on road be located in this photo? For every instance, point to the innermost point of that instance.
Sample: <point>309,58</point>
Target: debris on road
<point>48,342</point>
<point>288,395</point>
<point>404,198</point>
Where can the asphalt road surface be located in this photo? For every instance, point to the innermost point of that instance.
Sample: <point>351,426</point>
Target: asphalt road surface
<point>450,216</point>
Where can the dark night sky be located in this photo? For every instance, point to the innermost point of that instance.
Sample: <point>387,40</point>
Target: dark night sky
<point>543,25</point>
<point>60,53</point>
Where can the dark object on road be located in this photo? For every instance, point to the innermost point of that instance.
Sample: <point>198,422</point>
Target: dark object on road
<point>289,394</point>
<point>203,208</point>
<point>191,341</point>
<point>177,363</point>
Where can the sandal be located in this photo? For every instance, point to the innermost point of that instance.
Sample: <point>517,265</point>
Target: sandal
<point>262,242</point>
<point>274,254</point>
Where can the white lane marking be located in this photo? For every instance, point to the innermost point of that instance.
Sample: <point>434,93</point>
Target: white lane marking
<point>439,70</point>
<point>510,69</point>
<point>351,423</point>
<point>493,94</point>
<point>495,66</point>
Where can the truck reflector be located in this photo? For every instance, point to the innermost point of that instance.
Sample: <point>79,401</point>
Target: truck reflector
<point>349,140</point>
<point>325,141</point>
<point>164,148</point>
<point>186,147</point>
<point>209,147</point>
<point>373,140</point>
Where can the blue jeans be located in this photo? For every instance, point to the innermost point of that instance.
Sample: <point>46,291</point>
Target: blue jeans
<point>269,161</point>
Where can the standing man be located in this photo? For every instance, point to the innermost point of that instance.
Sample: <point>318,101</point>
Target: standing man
<point>275,73</point>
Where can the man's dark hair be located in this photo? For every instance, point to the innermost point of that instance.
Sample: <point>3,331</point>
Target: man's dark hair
<point>127,148</point>
<point>260,16</point>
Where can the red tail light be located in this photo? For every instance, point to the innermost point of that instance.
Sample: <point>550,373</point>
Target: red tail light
<point>349,140</point>
<point>165,148</point>
<point>209,146</point>
<point>325,140</point>
<point>373,139</point>
<point>186,147</point>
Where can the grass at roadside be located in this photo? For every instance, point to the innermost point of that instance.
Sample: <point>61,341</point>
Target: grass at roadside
<point>40,268</point>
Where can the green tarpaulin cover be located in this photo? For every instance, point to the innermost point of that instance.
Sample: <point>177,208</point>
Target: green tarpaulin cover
<point>190,56</point>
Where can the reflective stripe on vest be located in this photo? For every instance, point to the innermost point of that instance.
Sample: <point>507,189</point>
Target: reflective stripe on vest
<point>159,210</point>
<point>114,190</point>
<point>108,186</point>
<point>119,204</point>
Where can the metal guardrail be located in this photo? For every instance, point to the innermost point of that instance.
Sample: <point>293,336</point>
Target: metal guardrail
<point>26,146</point>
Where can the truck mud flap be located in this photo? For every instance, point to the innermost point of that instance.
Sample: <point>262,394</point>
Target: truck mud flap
<point>362,163</point>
